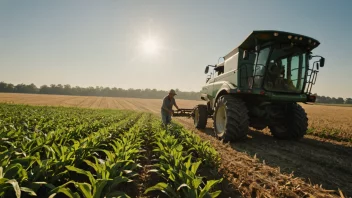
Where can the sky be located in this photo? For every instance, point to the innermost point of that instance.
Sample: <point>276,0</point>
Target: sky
<point>159,44</point>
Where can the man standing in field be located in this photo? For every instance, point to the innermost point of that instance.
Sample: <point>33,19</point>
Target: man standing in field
<point>166,108</point>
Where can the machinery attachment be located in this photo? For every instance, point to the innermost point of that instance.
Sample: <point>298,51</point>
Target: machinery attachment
<point>184,113</point>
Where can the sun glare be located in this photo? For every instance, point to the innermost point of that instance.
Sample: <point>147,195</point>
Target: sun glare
<point>150,46</point>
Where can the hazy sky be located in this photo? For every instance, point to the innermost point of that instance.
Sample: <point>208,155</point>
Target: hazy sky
<point>89,43</point>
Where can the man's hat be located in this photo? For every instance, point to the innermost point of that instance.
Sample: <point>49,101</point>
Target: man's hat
<point>172,92</point>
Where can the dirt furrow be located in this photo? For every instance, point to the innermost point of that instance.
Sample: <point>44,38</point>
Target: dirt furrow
<point>307,159</point>
<point>239,164</point>
<point>144,105</point>
<point>129,105</point>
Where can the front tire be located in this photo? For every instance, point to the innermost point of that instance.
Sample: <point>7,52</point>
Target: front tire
<point>200,116</point>
<point>294,126</point>
<point>230,118</point>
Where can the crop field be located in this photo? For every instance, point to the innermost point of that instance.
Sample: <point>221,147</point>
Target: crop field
<point>48,151</point>
<point>117,147</point>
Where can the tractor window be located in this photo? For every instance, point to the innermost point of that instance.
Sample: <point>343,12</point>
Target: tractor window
<point>286,73</point>
<point>259,68</point>
<point>294,67</point>
<point>297,74</point>
<point>263,56</point>
<point>262,59</point>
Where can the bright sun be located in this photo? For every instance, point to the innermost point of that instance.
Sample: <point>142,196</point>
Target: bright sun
<point>150,46</point>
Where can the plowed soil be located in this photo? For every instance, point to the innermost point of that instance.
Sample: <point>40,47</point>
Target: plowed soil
<point>260,164</point>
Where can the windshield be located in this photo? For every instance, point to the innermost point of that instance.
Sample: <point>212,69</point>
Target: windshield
<point>286,70</point>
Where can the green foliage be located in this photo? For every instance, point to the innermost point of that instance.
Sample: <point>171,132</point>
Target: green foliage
<point>330,133</point>
<point>55,151</point>
<point>178,167</point>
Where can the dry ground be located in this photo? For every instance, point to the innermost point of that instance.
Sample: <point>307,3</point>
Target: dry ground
<point>319,160</point>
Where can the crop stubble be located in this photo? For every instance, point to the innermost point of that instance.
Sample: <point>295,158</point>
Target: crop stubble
<point>320,160</point>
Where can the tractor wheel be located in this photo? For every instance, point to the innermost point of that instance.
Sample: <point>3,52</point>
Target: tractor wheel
<point>294,126</point>
<point>200,116</point>
<point>230,118</point>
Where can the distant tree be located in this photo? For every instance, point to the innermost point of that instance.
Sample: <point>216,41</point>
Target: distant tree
<point>340,100</point>
<point>348,101</point>
<point>4,87</point>
<point>94,91</point>
<point>67,90</point>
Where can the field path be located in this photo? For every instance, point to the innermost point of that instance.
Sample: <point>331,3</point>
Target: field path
<point>315,160</point>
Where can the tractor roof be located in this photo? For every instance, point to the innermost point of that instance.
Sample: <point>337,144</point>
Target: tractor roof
<point>263,36</point>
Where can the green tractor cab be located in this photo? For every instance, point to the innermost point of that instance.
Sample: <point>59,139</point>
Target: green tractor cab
<point>259,84</point>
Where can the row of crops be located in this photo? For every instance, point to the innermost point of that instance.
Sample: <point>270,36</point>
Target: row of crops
<point>71,152</point>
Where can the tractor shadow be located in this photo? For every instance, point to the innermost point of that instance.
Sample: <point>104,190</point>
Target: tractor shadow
<point>314,161</point>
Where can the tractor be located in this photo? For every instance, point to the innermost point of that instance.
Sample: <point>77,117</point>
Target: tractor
<point>260,84</point>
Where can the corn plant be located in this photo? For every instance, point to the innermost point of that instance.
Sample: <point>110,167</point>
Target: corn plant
<point>178,170</point>
<point>54,151</point>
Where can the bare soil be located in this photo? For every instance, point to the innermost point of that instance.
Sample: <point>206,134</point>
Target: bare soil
<point>300,166</point>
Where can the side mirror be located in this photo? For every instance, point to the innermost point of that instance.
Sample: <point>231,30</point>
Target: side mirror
<point>245,55</point>
<point>206,70</point>
<point>322,62</point>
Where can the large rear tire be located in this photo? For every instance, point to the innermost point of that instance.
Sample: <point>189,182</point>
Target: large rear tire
<point>294,126</point>
<point>230,118</point>
<point>200,116</point>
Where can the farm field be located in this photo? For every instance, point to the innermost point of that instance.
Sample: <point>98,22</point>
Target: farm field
<point>260,164</point>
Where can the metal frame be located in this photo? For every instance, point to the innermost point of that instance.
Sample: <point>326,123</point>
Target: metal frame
<point>184,113</point>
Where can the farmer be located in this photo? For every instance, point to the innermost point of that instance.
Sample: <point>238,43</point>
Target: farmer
<point>166,108</point>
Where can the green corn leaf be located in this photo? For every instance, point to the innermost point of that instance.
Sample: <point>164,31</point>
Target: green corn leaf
<point>25,161</point>
<point>49,149</point>
<point>15,186</point>
<point>215,194</point>
<point>195,167</point>
<point>117,180</point>
<point>40,183</point>
<point>188,163</point>
<point>179,148</point>
<point>68,156</point>
<point>64,190</point>
<point>56,149</point>
<point>1,172</point>
<point>208,186</point>
<point>36,185</point>
<point>164,188</point>
<point>161,147</point>
<point>28,190</point>
<point>182,186</point>
<point>12,170</point>
<point>91,164</point>
<point>3,181</point>
<point>83,172</point>
<point>172,174</point>
<point>153,171</point>
<point>117,194</point>
<point>86,189</point>
<point>184,176</point>
<point>68,193</point>
<point>196,182</point>
<point>98,187</point>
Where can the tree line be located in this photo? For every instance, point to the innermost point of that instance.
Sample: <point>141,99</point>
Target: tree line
<point>94,91</point>
<point>119,92</point>
<point>333,100</point>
